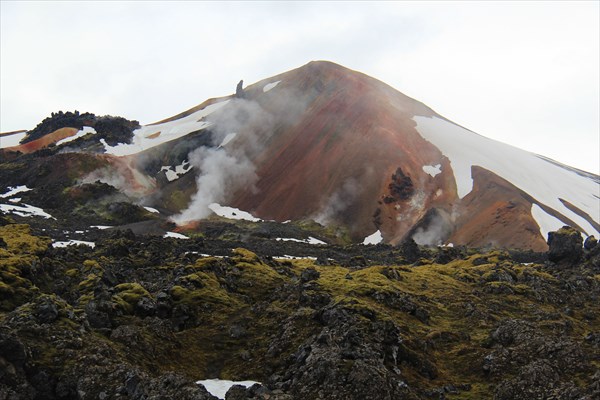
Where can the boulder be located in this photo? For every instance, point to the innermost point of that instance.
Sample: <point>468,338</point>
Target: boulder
<point>590,243</point>
<point>566,245</point>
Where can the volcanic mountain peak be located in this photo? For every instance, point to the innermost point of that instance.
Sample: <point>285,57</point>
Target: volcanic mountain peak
<point>327,143</point>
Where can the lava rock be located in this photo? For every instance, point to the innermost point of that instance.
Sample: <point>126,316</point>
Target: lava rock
<point>309,274</point>
<point>565,245</point>
<point>410,250</point>
<point>46,312</point>
<point>590,243</point>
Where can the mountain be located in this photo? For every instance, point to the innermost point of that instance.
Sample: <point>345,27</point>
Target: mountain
<point>145,262</point>
<point>322,143</point>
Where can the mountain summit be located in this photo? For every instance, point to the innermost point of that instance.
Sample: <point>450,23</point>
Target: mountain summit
<point>326,143</point>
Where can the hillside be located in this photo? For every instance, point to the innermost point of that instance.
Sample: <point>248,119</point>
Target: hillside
<point>142,316</point>
<point>318,232</point>
<point>321,143</point>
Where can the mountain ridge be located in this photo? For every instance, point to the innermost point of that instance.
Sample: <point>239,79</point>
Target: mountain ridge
<point>335,145</point>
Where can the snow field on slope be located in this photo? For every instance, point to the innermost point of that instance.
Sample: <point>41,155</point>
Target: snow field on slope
<point>270,86</point>
<point>73,243</point>
<point>543,180</point>
<point>547,222</point>
<point>228,138</point>
<point>310,240</point>
<point>12,190</point>
<point>11,140</point>
<point>219,387</point>
<point>232,213</point>
<point>77,135</point>
<point>149,136</point>
<point>25,210</point>
<point>432,170</point>
<point>175,235</point>
<point>173,173</point>
<point>374,238</point>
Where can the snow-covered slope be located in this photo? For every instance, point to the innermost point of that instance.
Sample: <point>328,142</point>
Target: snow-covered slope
<point>149,136</point>
<point>547,183</point>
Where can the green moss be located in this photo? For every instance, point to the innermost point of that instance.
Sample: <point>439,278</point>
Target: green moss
<point>89,283</point>
<point>209,295</point>
<point>72,273</point>
<point>567,230</point>
<point>92,266</point>
<point>243,255</point>
<point>84,299</point>
<point>206,262</point>
<point>19,239</point>
<point>129,294</point>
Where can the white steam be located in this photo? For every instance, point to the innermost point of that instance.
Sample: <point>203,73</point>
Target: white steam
<point>339,201</point>
<point>240,132</point>
<point>434,234</point>
<point>222,175</point>
<point>118,179</point>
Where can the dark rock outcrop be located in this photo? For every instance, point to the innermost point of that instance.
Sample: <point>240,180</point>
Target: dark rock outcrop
<point>239,90</point>
<point>590,242</point>
<point>566,245</point>
<point>83,323</point>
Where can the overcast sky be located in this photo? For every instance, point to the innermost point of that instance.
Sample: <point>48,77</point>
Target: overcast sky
<point>526,74</point>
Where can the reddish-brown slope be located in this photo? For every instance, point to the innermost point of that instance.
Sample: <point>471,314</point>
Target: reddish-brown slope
<point>496,213</point>
<point>341,147</point>
<point>355,131</point>
<point>44,141</point>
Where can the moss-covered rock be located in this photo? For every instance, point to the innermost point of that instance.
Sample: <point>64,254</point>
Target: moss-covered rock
<point>475,324</point>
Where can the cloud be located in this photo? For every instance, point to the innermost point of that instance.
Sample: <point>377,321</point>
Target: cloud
<point>474,63</point>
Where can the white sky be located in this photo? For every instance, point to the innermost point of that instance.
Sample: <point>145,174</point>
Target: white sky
<point>523,73</point>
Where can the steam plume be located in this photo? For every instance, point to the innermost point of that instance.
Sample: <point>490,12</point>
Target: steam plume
<point>225,170</point>
<point>339,201</point>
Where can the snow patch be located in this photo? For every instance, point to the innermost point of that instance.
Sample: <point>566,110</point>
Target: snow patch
<point>15,200</point>
<point>25,210</point>
<point>173,173</point>
<point>152,210</point>
<point>270,86</point>
<point>545,181</point>
<point>73,243</point>
<point>228,138</point>
<point>208,255</point>
<point>81,133</point>
<point>375,238</point>
<point>232,213</point>
<point>12,190</point>
<point>219,387</point>
<point>286,257</point>
<point>101,227</point>
<point>310,240</point>
<point>545,221</point>
<point>11,140</point>
<point>175,235</point>
<point>432,170</point>
<point>149,136</point>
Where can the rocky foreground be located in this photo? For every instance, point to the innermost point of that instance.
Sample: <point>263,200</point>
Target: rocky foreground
<point>144,317</point>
